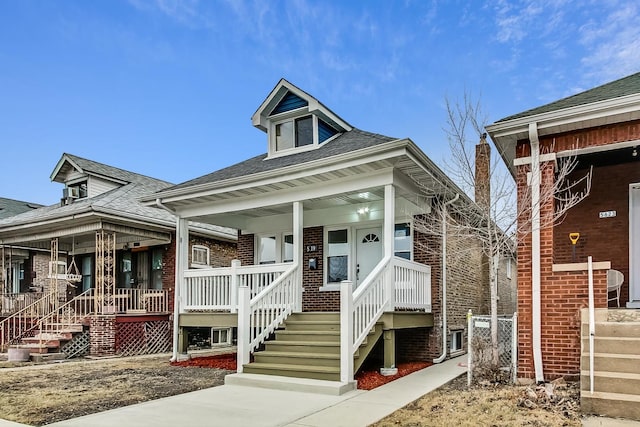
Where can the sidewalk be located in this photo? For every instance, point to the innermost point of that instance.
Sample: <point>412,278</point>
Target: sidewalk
<point>232,405</point>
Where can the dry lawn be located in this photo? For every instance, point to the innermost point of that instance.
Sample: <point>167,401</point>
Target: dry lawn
<point>455,405</point>
<point>44,394</point>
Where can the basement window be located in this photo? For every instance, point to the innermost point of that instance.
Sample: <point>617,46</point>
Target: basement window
<point>456,341</point>
<point>220,337</point>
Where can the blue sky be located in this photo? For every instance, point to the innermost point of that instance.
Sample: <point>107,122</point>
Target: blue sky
<point>166,88</point>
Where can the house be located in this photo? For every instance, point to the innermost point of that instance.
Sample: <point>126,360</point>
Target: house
<point>600,130</point>
<point>330,263</point>
<point>101,259</point>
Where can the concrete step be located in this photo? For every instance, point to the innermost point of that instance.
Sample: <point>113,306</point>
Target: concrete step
<point>613,405</point>
<point>47,342</point>
<point>297,358</point>
<point>36,348</point>
<point>304,385</point>
<point>611,382</point>
<point>62,327</point>
<point>608,362</point>
<point>614,329</point>
<point>312,325</point>
<point>64,335</point>
<point>304,346</point>
<point>315,316</point>
<point>47,357</point>
<point>328,373</point>
<point>614,345</point>
<point>310,336</point>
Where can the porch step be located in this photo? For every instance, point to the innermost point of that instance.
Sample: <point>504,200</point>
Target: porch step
<point>47,357</point>
<point>315,316</point>
<point>616,365</point>
<point>328,373</point>
<point>303,347</point>
<point>303,385</point>
<point>308,335</point>
<point>298,358</point>
<point>307,325</point>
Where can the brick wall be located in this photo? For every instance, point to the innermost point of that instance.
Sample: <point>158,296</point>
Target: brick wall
<point>102,335</point>
<point>312,298</point>
<point>246,251</point>
<point>40,265</point>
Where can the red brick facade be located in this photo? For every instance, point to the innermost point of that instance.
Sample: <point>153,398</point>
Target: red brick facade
<point>564,293</point>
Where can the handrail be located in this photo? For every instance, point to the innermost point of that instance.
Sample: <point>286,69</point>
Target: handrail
<point>259,316</point>
<point>12,302</point>
<point>68,313</point>
<point>412,282</point>
<point>22,322</point>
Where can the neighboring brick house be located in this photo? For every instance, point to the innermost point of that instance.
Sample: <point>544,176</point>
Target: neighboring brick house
<point>328,205</point>
<point>102,245</point>
<point>601,129</point>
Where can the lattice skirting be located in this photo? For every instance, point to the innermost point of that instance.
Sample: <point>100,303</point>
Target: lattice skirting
<point>149,337</point>
<point>78,346</point>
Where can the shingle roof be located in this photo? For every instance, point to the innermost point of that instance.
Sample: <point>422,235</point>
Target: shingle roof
<point>353,140</point>
<point>90,166</point>
<point>11,207</point>
<point>629,85</point>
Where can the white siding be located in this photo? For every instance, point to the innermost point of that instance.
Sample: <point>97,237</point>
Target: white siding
<point>97,186</point>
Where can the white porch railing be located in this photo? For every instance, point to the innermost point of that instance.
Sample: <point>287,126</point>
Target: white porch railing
<point>13,302</point>
<point>259,316</point>
<point>22,322</point>
<point>216,288</point>
<point>394,283</point>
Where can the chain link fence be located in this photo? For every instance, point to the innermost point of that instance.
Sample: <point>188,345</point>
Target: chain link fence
<point>480,353</point>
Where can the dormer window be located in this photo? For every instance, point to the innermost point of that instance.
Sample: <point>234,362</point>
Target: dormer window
<point>300,133</point>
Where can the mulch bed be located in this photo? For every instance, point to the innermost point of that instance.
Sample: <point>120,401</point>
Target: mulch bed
<point>367,379</point>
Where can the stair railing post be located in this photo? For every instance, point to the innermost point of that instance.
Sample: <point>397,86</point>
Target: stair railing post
<point>346,331</point>
<point>244,323</point>
<point>233,292</point>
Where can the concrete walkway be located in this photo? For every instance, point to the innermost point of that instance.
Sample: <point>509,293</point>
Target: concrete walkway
<point>233,405</point>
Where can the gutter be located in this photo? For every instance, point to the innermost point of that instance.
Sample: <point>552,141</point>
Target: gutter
<point>444,279</point>
<point>178,277</point>
<point>535,253</point>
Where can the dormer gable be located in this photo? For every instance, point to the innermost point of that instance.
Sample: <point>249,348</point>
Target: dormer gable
<point>295,121</point>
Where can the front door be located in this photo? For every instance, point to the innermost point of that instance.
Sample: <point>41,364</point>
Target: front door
<point>368,251</point>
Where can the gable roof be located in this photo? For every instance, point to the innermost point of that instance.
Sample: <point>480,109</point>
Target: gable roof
<point>349,141</point>
<point>11,207</point>
<point>629,85</point>
<point>91,167</point>
<point>122,201</point>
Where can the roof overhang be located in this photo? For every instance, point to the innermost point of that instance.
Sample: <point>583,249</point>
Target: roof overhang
<point>505,134</point>
<point>337,180</point>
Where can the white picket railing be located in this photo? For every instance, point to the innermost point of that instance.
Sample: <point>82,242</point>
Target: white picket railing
<point>412,285</point>
<point>259,316</point>
<point>216,288</point>
<point>393,283</point>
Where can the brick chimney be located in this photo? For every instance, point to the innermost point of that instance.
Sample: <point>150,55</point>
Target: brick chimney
<point>483,173</point>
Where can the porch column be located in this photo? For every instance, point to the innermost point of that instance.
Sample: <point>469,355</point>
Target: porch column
<point>298,226</point>
<point>634,247</point>
<point>181,263</point>
<point>389,238</point>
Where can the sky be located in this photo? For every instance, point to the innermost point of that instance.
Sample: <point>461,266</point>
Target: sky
<point>166,88</point>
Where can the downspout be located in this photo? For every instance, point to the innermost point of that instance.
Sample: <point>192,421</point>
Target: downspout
<point>176,296</point>
<point>535,253</point>
<point>444,279</point>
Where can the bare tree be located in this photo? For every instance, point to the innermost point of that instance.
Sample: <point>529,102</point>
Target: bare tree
<point>496,220</point>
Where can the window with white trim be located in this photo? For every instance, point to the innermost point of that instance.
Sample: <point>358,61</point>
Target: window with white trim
<point>402,241</point>
<point>337,255</point>
<point>274,248</point>
<point>58,270</point>
<point>456,340</point>
<point>200,256</point>
<point>220,336</point>
<point>299,133</point>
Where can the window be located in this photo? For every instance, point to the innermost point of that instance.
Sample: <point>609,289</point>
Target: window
<point>86,268</point>
<point>402,241</point>
<point>58,269</point>
<point>199,256</point>
<point>220,336</point>
<point>156,268</point>
<point>274,248</point>
<point>337,256</point>
<point>294,133</point>
<point>126,269</point>
<point>456,341</point>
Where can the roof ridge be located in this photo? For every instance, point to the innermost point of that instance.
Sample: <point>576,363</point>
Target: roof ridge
<point>114,168</point>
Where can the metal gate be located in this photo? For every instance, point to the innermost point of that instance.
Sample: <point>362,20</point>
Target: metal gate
<point>480,351</point>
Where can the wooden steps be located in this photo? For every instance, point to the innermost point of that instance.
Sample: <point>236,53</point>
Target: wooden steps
<point>307,347</point>
<point>616,365</point>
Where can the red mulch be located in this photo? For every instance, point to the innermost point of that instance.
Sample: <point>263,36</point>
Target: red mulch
<point>220,361</point>
<point>368,380</point>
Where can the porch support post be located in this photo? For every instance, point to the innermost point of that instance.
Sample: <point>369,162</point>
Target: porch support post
<point>244,323</point>
<point>389,233</point>
<point>182,257</point>
<point>346,331</point>
<point>389,348</point>
<point>233,292</point>
<point>298,228</point>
